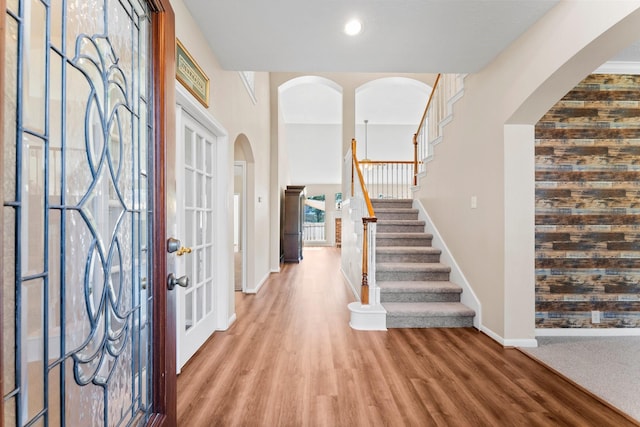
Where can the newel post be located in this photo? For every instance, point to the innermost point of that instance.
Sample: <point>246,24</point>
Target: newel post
<point>364,294</point>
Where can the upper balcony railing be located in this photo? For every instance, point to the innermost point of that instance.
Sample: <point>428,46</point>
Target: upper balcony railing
<point>446,90</point>
<point>389,179</point>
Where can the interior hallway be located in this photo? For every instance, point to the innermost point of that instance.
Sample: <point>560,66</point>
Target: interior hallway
<point>291,359</point>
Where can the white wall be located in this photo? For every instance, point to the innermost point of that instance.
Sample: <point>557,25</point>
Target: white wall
<point>517,88</point>
<point>231,105</point>
<point>386,142</point>
<point>314,153</point>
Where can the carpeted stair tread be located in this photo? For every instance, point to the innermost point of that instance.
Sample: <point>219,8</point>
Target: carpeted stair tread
<point>401,222</point>
<point>396,210</point>
<point>426,236</point>
<point>434,309</point>
<point>408,250</point>
<point>417,286</point>
<point>392,203</point>
<point>413,266</point>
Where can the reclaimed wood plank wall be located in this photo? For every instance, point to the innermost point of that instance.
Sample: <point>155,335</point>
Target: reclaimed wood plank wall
<point>588,206</point>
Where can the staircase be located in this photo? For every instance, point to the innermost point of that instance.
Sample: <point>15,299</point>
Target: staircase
<point>414,286</point>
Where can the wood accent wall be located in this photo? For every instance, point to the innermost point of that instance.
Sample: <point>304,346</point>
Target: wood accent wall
<point>587,154</point>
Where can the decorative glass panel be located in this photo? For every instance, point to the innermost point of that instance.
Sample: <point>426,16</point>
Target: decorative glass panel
<point>76,136</point>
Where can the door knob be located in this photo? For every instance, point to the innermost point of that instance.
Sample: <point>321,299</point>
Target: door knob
<point>173,245</point>
<point>172,281</point>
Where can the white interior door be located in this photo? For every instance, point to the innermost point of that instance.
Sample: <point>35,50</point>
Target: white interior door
<point>196,160</point>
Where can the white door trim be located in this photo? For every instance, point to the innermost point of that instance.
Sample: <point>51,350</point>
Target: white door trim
<point>243,221</point>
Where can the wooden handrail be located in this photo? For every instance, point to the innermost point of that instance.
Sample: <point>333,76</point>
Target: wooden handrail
<point>426,109</point>
<point>361,179</point>
<point>415,135</point>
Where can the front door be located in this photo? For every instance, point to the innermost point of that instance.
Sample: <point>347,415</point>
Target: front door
<point>83,207</point>
<point>196,199</point>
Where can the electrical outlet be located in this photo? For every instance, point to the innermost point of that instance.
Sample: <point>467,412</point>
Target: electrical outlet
<point>595,316</point>
<point>474,202</point>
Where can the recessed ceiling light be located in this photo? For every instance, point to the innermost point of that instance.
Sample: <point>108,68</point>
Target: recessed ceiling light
<point>353,27</point>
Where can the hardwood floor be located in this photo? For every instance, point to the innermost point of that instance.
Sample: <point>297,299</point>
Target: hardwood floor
<point>291,359</point>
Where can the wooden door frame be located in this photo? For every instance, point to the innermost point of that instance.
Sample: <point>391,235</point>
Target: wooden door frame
<point>3,15</point>
<point>164,377</point>
<point>164,317</point>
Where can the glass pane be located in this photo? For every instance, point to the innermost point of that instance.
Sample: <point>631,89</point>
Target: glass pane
<point>199,152</point>
<point>54,298</point>
<point>12,5</point>
<point>32,340</point>
<point>210,262</point>
<point>78,173</point>
<point>189,266</point>
<point>77,249</point>
<point>188,147</point>
<point>10,412</point>
<point>142,142</point>
<point>34,71</point>
<point>199,302</point>
<point>190,227</point>
<point>188,310</point>
<point>189,199</point>
<point>200,196</point>
<point>199,227</point>
<point>10,93</point>
<point>209,227</point>
<point>55,10</point>
<point>209,294</point>
<point>54,397</point>
<point>55,129</point>
<point>33,206</point>
<point>84,405</point>
<point>83,20</point>
<point>209,157</point>
<point>199,266</point>
<point>8,302</point>
<point>209,191</point>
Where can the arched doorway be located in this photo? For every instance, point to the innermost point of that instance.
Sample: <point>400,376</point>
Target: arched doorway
<point>310,123</point>
<point>243,214</point>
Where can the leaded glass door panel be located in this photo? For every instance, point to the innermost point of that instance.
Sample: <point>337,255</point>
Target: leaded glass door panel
<point>78,173</point>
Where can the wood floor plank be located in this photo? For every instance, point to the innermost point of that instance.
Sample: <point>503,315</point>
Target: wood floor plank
<point>291,359</point>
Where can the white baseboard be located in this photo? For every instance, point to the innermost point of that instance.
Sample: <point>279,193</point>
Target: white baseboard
<point>509,342</point>
<point>587,332</point>
<point>257,288</point>
<point>353,289</point>
<point>230,321</point>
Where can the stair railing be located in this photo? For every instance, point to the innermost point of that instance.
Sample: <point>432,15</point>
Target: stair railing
<point>361,207</point>
<point>388,179</point>
<point>446,90</point>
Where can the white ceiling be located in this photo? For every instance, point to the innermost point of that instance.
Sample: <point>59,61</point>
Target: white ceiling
<point>422,36</point>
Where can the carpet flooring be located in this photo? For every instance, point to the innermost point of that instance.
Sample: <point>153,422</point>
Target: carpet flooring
<point>609,367</point>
